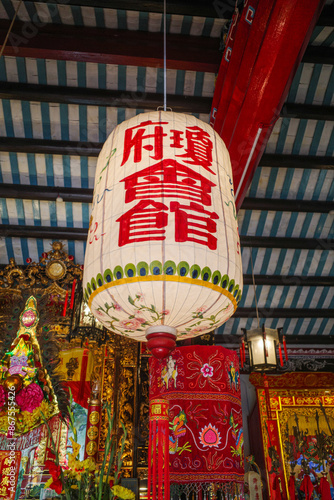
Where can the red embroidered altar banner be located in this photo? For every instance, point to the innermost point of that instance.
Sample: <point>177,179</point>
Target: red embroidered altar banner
<point>9,471</point>
<point>202,384</point>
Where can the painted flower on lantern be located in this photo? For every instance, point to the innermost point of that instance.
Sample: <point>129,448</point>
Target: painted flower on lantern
<point>130,324</point>
<point>139,317</point>
<point>209,436</point>
<point>99,313</point>
<point>212,320</point>
<point>207,370</point>
<point>197,330</point>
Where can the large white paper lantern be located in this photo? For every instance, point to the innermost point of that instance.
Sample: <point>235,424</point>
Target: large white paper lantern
<point>163,251</point>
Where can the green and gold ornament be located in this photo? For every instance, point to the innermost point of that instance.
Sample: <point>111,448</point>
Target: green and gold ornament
<point>24,383</point>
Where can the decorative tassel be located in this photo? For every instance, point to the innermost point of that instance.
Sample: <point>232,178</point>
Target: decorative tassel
<point>280,354</point>
<point>65,304</point>
<point>73,293</point>
<point>241,358</point>
<point>267,395</point>
<point>285,349</point>
<point>84,364</point>
<point>292,487</point>
<point>307,487</point>
<point>158,452</point>
<point>277,488</point>
<point>325,488</point>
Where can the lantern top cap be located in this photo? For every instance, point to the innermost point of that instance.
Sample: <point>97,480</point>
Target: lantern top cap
<point>258,332</point>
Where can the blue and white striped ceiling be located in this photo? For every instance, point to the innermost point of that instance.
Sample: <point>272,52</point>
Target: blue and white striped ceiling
<point>313,85</point>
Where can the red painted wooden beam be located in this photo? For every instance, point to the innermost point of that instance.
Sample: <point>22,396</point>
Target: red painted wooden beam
<point>136,48</point>
<point>263,50</point>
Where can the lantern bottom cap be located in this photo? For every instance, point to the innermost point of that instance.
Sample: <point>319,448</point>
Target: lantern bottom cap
<point>161,340</point>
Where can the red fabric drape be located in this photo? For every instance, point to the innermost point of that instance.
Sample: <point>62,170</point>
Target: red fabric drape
<point>202,385</point>
<point>292,487</point>
<point>307,487</point>
<point>277,489</point>
<point>331,475</point>
<point>324,489</point>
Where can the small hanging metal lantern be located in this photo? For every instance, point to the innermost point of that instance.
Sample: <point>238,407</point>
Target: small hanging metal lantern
<point>262,344</point>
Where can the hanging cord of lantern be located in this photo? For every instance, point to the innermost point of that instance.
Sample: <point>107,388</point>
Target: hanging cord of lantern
<point>270,338</point>
<point>165,107</point>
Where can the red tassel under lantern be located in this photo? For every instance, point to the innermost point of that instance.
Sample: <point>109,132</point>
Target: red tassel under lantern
<point>292,487</point>
<point>158,451</point>
<point>241,358</point>
<point>285,349</point>
<point>65,304</point>
<point>280,354</point>
<point>73,293</point>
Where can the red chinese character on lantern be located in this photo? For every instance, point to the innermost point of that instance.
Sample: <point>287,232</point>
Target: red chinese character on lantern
<point>143,222</point>
<point>194,223</point>
<point>199,148</point>
<point>168,178</point>
<point>254,480</point>
<point>257,497</point>
<point>135,139</point>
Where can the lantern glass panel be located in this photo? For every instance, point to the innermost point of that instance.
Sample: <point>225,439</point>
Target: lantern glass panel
<point>262,348</point>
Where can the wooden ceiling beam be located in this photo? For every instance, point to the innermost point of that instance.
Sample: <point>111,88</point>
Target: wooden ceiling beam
<point>80,234</point>
<point>311,162</point>
<point>100,97</point>
<point>124,47</point>
<point>82,195</point>
<point>92,149</point>
<point>50,147</point>
<point>217,8</point>
<point>138,100</point>
<point>250,312</point>
<point>287,280</point>
<point>279,205</point>
<point>307,111</point>
<point>110,46</point>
